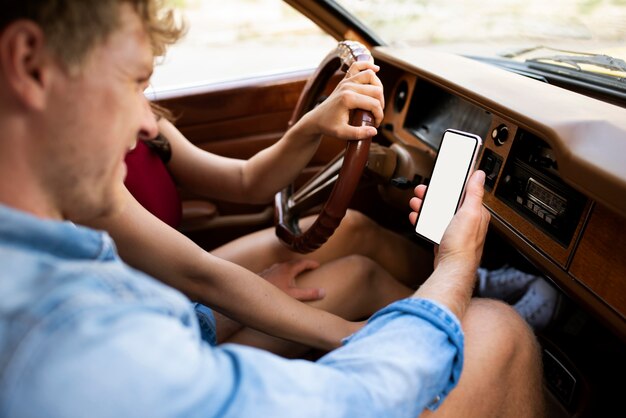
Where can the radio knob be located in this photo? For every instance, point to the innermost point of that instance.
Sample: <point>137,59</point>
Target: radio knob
<point>500,134</point>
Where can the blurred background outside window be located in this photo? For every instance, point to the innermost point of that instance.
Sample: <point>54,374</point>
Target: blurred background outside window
<point>234,39</point>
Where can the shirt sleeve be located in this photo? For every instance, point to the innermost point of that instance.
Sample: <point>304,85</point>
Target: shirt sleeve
<point>141,363</point>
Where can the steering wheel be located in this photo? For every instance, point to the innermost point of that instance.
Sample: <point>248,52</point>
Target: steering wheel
<point>342,174</point>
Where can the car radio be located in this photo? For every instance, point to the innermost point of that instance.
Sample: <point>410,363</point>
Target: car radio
<point>531,186</point>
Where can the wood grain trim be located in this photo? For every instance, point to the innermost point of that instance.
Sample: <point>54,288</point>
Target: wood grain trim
<point>600,261</point>
<point>235,102</point>
<point>395,120</point>
<point>236,127</point>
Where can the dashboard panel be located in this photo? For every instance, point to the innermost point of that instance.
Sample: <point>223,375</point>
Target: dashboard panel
<point>554,159</point>
<point>432,110</point>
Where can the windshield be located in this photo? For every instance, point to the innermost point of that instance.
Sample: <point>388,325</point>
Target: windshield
<point>515,29</point>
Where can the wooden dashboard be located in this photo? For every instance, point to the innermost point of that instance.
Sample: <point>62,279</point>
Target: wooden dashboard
<point>555,159</point>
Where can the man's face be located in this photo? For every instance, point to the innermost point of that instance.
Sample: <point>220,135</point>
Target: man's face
<point>95,117</point>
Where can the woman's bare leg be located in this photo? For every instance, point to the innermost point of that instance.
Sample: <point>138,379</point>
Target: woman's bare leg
<point>502,374</point>
<point>356,287</point>
<point>357,234</point>
<point>359,267</point>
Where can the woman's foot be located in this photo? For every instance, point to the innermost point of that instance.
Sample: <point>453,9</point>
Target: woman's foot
<point>506,283</point>
<point>539,305</point>
<point>531,296</point>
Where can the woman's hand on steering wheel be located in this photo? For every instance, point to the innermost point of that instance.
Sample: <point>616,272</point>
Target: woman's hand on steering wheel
<point>352,112</point>
<point>360,89</point>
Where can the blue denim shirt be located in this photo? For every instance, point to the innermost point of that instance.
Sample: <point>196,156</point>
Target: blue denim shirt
<point>82,334</point>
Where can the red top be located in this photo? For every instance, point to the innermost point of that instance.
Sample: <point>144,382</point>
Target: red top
<point>152,185</point>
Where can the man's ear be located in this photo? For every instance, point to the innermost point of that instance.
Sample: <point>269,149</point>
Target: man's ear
<point>24,61</point>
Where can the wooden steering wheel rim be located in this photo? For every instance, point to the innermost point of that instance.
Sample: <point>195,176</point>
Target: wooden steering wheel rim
<point>354,160</point>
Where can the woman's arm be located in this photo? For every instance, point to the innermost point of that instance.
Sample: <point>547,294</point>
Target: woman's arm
<point>259,178</point>
<point>150,245</point>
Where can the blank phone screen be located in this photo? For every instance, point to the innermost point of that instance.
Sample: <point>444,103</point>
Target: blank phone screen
<point>447,182</point>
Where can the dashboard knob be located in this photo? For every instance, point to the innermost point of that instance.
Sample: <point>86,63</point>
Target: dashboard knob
<point>500,134</point>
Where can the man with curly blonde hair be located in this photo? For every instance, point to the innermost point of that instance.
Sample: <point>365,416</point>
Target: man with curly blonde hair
<point>83,334</point>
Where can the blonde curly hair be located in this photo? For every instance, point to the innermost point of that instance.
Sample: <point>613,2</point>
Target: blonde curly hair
<point>74,27</point>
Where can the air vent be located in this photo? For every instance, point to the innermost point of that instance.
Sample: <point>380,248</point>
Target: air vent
<point>402,93</point>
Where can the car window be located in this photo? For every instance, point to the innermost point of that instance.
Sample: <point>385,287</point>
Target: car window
<point>239,38</point>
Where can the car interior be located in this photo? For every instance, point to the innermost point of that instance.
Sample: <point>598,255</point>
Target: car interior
<point>554,152</point>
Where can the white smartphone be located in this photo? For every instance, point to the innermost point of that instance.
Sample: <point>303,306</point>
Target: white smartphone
<point>453,166</point>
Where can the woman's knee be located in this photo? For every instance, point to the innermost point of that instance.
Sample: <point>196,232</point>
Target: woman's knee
<point>373,282</point>
<point>357,225</point>
<point>367,278</point>
<point>363,270</point>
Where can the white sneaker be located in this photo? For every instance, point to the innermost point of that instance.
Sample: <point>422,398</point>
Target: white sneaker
<point>506,283</point>
<point>539,304</point>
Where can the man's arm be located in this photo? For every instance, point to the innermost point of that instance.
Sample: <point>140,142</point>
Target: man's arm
<point>149,360</point>
<point>138,359</point>
<point>460,251</point>
<point>155,248</point>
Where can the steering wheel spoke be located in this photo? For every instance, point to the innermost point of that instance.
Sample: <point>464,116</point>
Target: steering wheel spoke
<point>317,190</point>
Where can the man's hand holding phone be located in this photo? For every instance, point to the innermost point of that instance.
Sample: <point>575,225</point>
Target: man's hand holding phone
<point>460,249</point>
<point>466,233</point>
<point>453,166</point>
